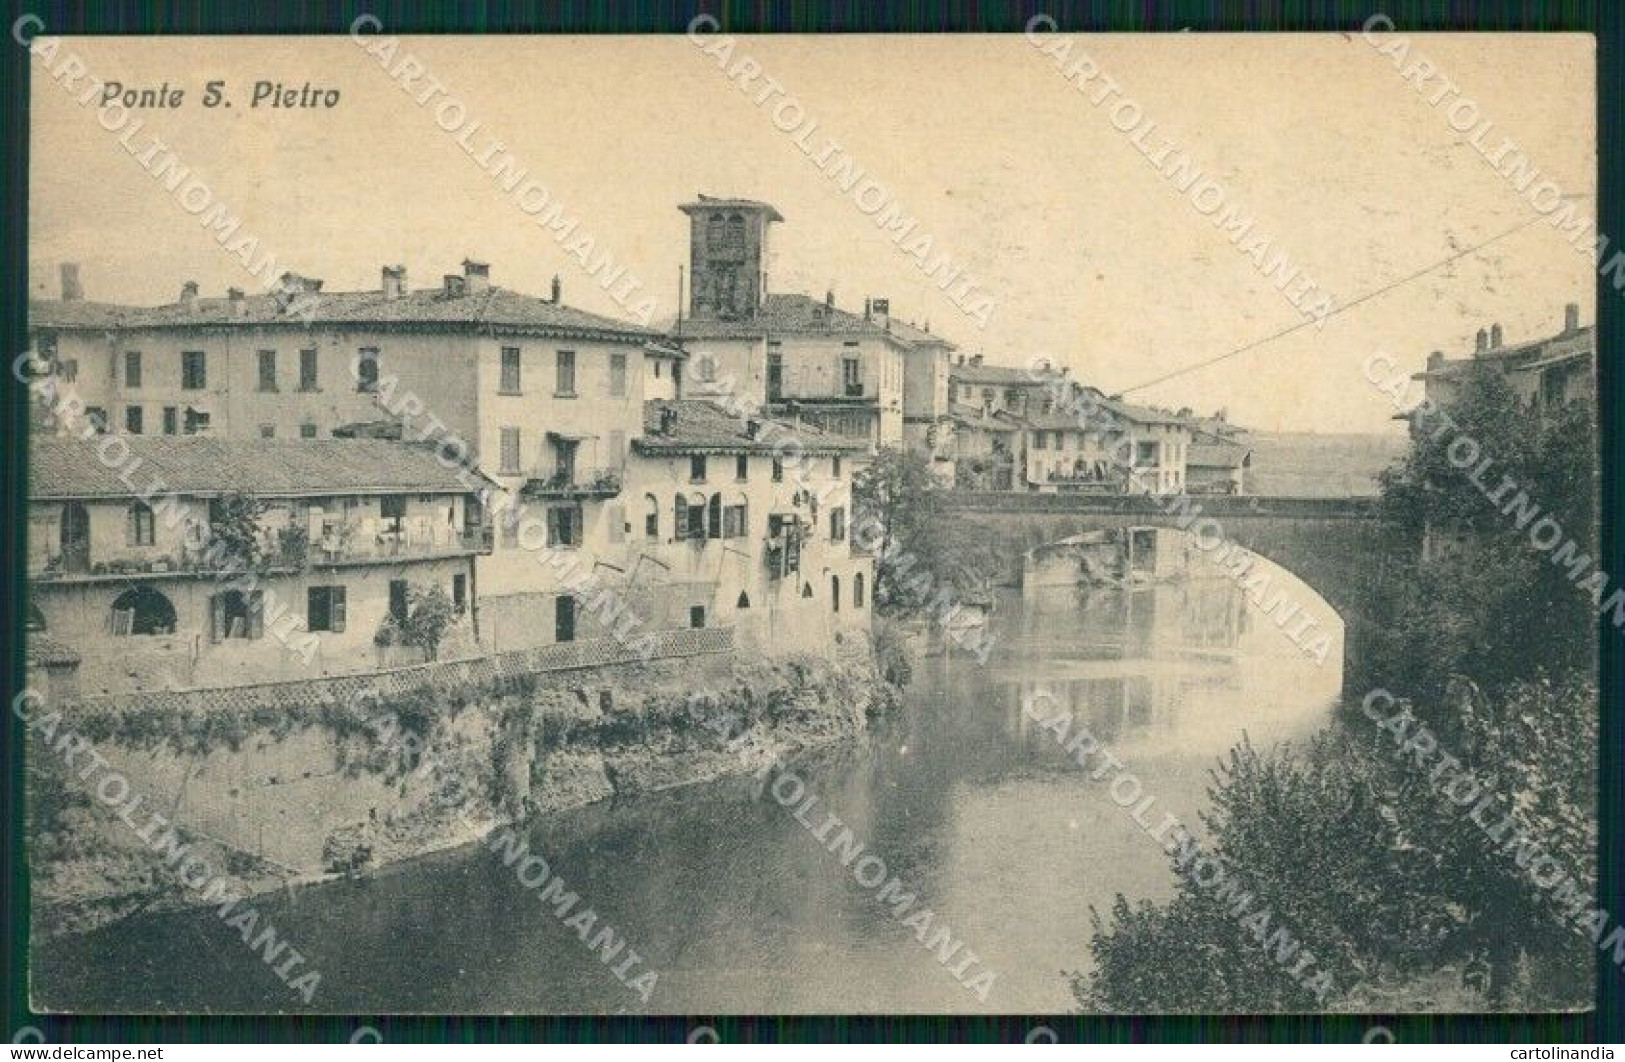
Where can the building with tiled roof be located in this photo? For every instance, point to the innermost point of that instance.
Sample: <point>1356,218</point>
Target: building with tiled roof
<point>185,563</point>
<point>1546,374</point>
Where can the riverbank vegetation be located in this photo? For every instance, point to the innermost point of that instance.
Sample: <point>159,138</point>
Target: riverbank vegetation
<point>1434,847</point>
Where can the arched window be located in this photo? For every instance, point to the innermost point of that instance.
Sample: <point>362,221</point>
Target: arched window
<point>835,593</point>
<point>142,610</point>
<point>857,590</point>
<point>734,234</point>
<point>651,516</point>
<point>716,233</point>
<point>138,525</point>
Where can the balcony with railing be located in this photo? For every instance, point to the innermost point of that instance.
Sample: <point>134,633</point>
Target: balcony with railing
<point>574,483</point>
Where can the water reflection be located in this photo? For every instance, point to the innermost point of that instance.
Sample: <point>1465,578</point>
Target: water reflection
<point>740,909</point>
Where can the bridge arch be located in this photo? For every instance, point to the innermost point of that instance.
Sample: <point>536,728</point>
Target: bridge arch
<point>1333,545</point>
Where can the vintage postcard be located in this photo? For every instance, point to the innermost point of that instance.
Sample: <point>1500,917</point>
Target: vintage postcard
<point>707,523</point>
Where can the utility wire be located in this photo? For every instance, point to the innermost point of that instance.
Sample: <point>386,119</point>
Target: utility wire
<point>1368,296</point>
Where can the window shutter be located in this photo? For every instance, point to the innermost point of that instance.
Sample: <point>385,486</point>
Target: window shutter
<point>129,526</point>
<point>256,614</point>
<point>217,617</point>
<point>680,517</point>
<point>335,608</point>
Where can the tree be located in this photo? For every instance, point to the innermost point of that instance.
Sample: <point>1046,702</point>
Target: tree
<point>429,615</point>
<point>1354,840</point>
<point>919,548</point>
<point>235,531</point>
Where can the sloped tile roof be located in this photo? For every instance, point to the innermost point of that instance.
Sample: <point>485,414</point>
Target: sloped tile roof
<point>61,467</point>
<point>701,426</point>
<point>1000,375</point>
<point>790,315</point>
<point>495,308</point>
<point>76,314</point>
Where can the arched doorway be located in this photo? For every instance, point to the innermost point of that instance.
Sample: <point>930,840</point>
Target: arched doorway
<point>75,538</point>
<point>142,610</point>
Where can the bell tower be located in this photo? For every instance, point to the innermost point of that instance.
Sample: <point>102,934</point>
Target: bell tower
<point>727,256</point>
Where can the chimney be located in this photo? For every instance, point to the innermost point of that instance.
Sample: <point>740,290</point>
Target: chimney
<point>557,288</point>
<point>188,297</point>
<point>476,276</point>
<point>829,299</point>
<point>452,285</point>
<point>1571,312</point>
<point>961,359</point>
<point>73,291</point>
<point>1483,342</point>
<point>668,420</point>
<point>1435,360</point>
<point>881,308</point>
<point>394,281</point>
<point>1495,337</point>
<point>234,299</point>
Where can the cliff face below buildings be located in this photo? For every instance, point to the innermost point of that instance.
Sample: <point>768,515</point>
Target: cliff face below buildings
<point>268,799</point>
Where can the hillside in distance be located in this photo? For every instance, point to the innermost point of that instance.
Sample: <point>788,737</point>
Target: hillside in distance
<point>1312,465</point>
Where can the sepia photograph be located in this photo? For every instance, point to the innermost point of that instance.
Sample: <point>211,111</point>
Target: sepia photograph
<point>1043,524</point>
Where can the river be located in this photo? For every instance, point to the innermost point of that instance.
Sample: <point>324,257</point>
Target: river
<point>733,902</point>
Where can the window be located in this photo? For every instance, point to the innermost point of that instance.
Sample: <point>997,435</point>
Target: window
<point>735,523</point>
<point>775,373</point>
<point>509,384</point>
<point>651,516</point>
<point>267,431</point>
<point>459,593</point>
<point>565,384</point>
<point>197,422</point>
<point>194,370</point>
<point>132,368</point>
<point>307,431</point>
<point>235,614</point>
<point>713,517</point>
<point>1145,453</point>
<point>267,363</point>
<point>325,609</point>
<point>835,593</point>
<point>778,470</point>
<point>510,451</point>
<point>696,468</point>
<point>1039,442</point>
<point>742,468</point>
<point>392,508</point>
<point>68,369</point>
<point>696,616</point>
<point>689,515</point>
<point>564,526</point>
<point>857,590</point>
<point>142,611</point>
<point>397,599</point>
<point>617,374</point>
<point>171,420</point>
<point>743,601</point>
<point>564,618</point>
<point>97,416</point>
<point>307,370</point>
<point>366,369</point>
<point>852,376</point>
<point>133,419</point>
<point>837,524</point>
<point>835,467</point>
<point>138,530</point>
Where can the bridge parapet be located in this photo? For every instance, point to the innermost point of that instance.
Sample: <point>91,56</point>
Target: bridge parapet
<point>1154,505</point>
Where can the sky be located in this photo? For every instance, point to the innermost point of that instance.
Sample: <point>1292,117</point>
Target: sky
<point>1089,255</point>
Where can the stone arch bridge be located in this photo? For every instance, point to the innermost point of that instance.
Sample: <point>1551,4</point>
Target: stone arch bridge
<point>1332,544</point>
